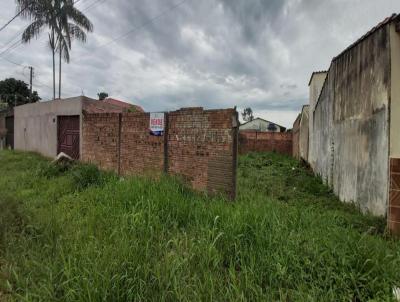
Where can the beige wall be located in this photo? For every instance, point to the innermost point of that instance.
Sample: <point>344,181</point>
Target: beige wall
<point>395,93</point>
<point>304,133</point>
<point>35,125</point>
<point>350,126</point>
<point>315,87</point>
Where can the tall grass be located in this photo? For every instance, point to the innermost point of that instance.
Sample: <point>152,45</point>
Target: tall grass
<point>85,235</point>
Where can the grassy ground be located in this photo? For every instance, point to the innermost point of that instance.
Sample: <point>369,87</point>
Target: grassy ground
<point>81,235</point>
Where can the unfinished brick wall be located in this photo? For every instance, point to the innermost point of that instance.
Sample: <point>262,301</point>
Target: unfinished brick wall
<point>201,148</point>
<point>256,141</point>
<point>100,139</point>
<point>141,153</point>
<point>199,145</point>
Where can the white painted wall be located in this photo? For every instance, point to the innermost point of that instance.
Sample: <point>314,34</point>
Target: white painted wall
<point>259,125</point>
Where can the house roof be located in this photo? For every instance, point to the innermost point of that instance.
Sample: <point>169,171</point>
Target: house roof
<point>315,73</point>
<point>258,118</point>
<point>388,20</point>
<point>122,104</point>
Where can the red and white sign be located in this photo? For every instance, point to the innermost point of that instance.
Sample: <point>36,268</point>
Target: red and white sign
<point>157,123</point>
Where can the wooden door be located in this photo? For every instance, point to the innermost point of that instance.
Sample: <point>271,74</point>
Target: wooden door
<point>68,135</point>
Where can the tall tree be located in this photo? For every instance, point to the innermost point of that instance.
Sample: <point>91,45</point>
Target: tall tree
<point>16,92</point>
<point>42,14</point>
<point>74,25</point>
<point>54,15</point>
<point>247,114</point>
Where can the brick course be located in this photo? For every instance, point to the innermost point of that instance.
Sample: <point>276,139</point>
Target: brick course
<point>198,145</point>
<point>394,197</point>
<point>100,139</point>
<point>255,141</point>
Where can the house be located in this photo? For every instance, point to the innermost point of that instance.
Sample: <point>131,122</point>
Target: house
<point>55,126</point>
<point>261,125</point>
<point>354,122</point>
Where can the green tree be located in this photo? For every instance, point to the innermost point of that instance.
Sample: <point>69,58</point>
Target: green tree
<point>16,92</point>
<point>74,25</point>
<point>102,95</point>
<point>247,114</point>
<point>56,16</point>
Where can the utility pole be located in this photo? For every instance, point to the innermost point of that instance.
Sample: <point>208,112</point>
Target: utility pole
<point>30,83</point>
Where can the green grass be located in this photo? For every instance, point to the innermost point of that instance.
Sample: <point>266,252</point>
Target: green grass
<point>77,234</point>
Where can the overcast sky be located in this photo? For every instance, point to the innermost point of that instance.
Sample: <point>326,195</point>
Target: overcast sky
<point>168,54</point>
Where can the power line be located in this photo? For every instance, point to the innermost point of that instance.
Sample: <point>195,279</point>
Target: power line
<point>150,21</point>
<point>19,43</point>
<point>13,18</point>
<point>12,62</point>
<point>144,24</point>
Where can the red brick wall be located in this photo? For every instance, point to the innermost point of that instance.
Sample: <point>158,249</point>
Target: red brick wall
<point>140,152</point>
<point>254,141</point>
<point>100,139</point>
<point>200,148</point>
<point>199,145</point>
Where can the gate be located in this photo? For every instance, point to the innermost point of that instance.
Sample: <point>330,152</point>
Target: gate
<point>68,135</point>
<point>10,132</point>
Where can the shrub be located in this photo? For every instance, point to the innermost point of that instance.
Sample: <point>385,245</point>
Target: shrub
<point>50,169</point>
<point>86,175</point>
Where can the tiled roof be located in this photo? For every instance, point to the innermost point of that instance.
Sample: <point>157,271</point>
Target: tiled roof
<point>122,104</point>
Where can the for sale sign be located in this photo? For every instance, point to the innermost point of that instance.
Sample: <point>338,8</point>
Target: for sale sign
<point>156,123</point>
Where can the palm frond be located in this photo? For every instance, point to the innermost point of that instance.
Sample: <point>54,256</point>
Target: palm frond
<point>32,31</point>
<point>76,32</point>
<point>80,19</point>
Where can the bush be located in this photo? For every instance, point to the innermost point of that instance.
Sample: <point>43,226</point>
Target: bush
<point>50,170</point>
<point>86,175</point>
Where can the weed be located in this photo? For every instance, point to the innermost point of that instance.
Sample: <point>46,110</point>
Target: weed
<point>93,237</point>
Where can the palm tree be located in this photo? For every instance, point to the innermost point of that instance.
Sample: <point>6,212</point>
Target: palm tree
<point>73,25</point>
<point>42,13</point>
<point>55,15</point>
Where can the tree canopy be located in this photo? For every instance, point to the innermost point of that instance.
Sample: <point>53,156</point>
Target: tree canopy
<point>102,95</point>
<point>16,92</point>
<point>247,114</point>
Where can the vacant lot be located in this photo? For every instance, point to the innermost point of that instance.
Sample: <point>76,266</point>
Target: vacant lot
<point>75,234</point>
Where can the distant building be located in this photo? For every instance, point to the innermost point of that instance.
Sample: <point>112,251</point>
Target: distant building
<point>261,125</point>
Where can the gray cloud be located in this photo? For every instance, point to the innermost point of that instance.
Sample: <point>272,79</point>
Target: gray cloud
<point>210,53</point>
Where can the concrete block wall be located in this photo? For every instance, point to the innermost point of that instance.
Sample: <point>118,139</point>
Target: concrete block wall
<point>350,124</point>
<point>296,138</point>
<point>254,141</point>
<point>198,145</point>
